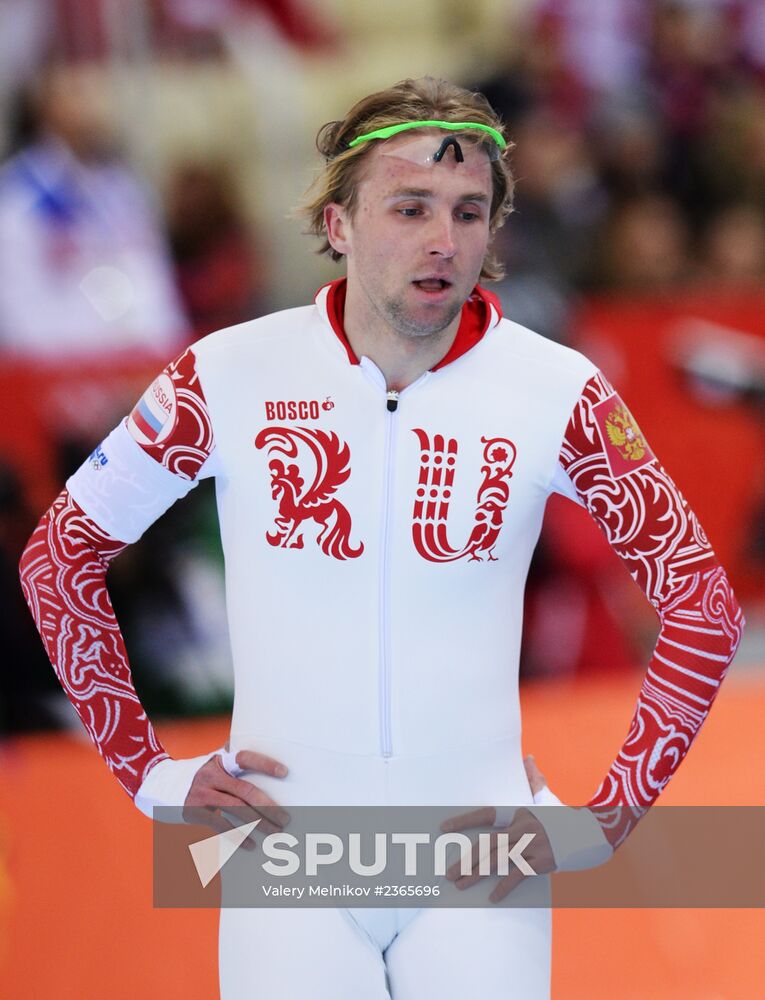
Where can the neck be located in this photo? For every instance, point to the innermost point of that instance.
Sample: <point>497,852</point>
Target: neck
<point>401,358</point>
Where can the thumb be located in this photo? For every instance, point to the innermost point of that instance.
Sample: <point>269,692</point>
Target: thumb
<point>535,777</point>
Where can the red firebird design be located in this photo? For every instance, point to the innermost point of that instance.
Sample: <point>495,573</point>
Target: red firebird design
<point>297,504</point>
<point>434,490</point>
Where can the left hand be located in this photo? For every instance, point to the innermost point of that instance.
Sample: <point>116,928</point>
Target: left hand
<point>538,852</point>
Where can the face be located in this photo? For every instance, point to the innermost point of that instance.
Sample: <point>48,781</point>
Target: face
<point>418,235</point>
<point>75,105</point>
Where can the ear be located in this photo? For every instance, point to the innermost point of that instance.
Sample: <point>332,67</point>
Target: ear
<point>337,225</point>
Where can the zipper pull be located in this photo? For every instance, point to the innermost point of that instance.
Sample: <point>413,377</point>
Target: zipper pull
<point>392,400</point>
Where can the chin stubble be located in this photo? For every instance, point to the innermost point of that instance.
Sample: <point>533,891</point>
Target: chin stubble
<point>398,317</point>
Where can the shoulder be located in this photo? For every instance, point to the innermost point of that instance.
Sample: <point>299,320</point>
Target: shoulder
<point>276,331</point>
<point>532,355</point>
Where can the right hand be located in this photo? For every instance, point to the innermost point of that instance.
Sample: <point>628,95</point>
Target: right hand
<point>213,790</point>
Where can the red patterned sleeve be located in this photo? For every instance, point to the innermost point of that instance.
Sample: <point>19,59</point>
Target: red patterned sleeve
<point>63,567</point>
<point>171,422</point>
<point>63,575</point>
<point>650,526</point>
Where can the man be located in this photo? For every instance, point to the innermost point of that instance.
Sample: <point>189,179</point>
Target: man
<point>84,266</point>
<point>383,459</point>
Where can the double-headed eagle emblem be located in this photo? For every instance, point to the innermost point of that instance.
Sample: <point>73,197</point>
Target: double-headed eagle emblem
<point>624,434</point>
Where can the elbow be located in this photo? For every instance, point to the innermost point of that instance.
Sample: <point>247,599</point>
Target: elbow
<point>34,548</point>
<point>35,558</point>
<point>723,608</point>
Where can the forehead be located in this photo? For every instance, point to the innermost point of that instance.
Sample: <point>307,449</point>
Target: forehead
<point>406,161</point>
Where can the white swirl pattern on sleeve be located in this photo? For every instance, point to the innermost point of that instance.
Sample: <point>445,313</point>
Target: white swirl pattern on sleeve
<point>650,526</point>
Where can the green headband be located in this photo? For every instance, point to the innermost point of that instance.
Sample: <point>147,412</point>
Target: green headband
<point>386,133</point>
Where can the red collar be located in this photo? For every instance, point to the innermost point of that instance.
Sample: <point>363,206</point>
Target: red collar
<point>476,320</point>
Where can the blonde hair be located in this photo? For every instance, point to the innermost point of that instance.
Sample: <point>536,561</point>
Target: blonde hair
<point>410,100</point>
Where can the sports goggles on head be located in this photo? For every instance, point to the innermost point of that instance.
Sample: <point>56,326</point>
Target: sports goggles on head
<point>493,147</point>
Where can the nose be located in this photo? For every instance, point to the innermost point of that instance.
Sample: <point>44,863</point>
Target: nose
<point>441,236</point>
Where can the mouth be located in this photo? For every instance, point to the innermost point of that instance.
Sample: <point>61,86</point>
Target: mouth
<point>432,286</point>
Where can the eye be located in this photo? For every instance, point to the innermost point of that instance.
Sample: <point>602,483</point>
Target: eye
<point>469,215</point>
<point>409,212</point>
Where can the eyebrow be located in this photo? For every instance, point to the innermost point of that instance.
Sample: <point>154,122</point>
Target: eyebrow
<point>425,193</point>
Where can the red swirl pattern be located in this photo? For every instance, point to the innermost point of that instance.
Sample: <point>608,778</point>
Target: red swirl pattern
<point>430,516</point>
<point>63,576</point>
<point>191,441</point>
<point>650,526</point>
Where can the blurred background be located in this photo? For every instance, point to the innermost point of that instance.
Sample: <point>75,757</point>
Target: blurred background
<point>151,152</point>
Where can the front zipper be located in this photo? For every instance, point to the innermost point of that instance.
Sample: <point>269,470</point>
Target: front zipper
<point>392,397</point>
<point>386,738</point>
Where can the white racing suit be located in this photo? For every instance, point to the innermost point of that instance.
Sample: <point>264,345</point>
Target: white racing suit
<point>376,552</point>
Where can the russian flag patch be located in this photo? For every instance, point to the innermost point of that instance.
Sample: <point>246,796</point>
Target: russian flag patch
<point>156,412</point>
